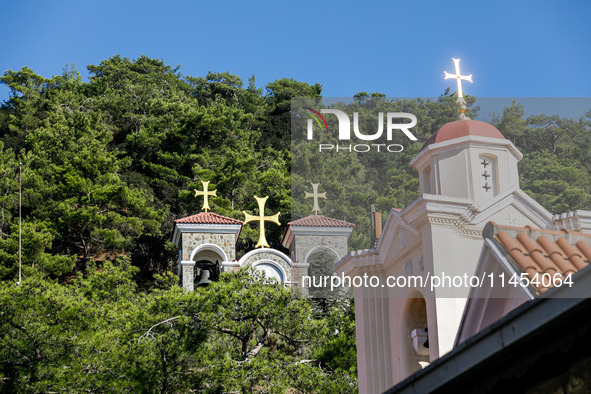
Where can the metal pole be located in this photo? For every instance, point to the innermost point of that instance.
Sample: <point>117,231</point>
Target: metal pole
<point>20,165</point>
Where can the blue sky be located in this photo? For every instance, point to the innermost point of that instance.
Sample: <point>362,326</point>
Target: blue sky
<point>512,48</point>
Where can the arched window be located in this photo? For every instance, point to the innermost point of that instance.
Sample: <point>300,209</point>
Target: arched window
<point>321,261</point>
<point>270,269</point>
<point>427,180</point>
<point>413,337</point>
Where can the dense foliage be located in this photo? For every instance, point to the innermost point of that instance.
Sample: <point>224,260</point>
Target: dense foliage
<point>108,164</point>
<point>100,334</point>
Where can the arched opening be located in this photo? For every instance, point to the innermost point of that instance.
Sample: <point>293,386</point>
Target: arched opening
<point>206,271</point>
<point>208,259</point>
<point>273,263</point>
<point>321,260</point>
<point>427,180</point>
<point>413,338</point>
<point>208,252</point>
<point>270,269</point>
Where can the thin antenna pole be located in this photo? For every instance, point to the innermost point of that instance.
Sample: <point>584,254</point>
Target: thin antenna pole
<point>20,178</point>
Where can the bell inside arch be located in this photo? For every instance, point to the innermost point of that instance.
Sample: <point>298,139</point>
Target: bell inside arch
<point>206,272</point>
<point>204,277</point>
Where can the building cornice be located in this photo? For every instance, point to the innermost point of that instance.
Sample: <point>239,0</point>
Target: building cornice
<point>472,141</point>
<point>180,228</point>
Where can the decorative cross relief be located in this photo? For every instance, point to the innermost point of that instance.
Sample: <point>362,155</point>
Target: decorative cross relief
<point>408,267</point>
<point>487,168</point>
<point>511,219</point>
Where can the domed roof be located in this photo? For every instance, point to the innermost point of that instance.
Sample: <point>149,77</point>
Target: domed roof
<point>462,128</point>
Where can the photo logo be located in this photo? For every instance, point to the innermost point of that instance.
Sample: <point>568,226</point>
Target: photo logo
<point>317,119</point>
<point>395,121</point>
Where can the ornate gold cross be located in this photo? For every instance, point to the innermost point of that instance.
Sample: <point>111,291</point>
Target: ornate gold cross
<point>261,219</point>
<point>458,77</point>
<point>205,193</point>
<point>315,195</point>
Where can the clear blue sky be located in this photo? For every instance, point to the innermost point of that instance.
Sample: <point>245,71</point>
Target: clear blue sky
<point>399,48</point>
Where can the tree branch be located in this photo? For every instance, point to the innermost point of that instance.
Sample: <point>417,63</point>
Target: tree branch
<point>248,356</point>
<point>290,338</point>
<point>305,362</point>
<point>224,331</point>
<point>149,332</point>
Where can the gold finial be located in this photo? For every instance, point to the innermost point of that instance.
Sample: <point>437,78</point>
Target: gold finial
<point>205,193</point>
<point>315,195</point>
<point>459,78</point>
<point>261,219</point>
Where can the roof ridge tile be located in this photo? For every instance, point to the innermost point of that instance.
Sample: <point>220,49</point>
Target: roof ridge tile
<point>208,218</point>
<point>542,251</point>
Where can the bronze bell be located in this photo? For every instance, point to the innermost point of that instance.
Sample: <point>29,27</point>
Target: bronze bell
<point>204,278</point>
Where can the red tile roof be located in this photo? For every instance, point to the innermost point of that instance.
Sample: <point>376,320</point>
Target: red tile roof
<point>462,128</point>
<point>208,218</point>
<point>320,221</point>
<point>543,251</point>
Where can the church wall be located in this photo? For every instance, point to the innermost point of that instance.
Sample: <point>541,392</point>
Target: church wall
<point>226,242</point>
<point>269,256</point>
<point>395,311</point>
<point>453,254</point>
<point>374,327</point>
<point>388,339</point>
<point>363,335</point>
<point>511,216</point>
<point>188,276</point>
<point>304,243</point>
<point>453,175</point>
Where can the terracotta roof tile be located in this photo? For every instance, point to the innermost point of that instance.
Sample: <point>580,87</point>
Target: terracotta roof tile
<point>537,251</point>
<point>462,128</point>
<point>585,248</point>
<point>509,243</point>
<point>320,221</point>
<point>208,218</point>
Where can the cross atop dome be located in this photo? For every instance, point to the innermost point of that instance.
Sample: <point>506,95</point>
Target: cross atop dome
<point>459,78</point>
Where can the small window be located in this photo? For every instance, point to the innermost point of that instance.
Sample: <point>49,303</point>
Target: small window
<point>427,180</point>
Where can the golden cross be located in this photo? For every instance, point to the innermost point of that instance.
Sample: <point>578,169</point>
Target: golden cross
<point>458,77</point>
<point>315,195</point>
<point>261,219</point>
<point>205,193</point>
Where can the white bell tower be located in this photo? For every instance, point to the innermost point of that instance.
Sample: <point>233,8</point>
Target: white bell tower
<point>468,159</point>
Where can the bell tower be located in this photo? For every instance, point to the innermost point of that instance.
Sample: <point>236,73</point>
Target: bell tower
<point>316,242</point>
<point>467,159</point>
<point>207,243</point>
<point>467,177</point>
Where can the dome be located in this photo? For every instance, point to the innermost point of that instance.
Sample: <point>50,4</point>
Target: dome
<point>462,128</point>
